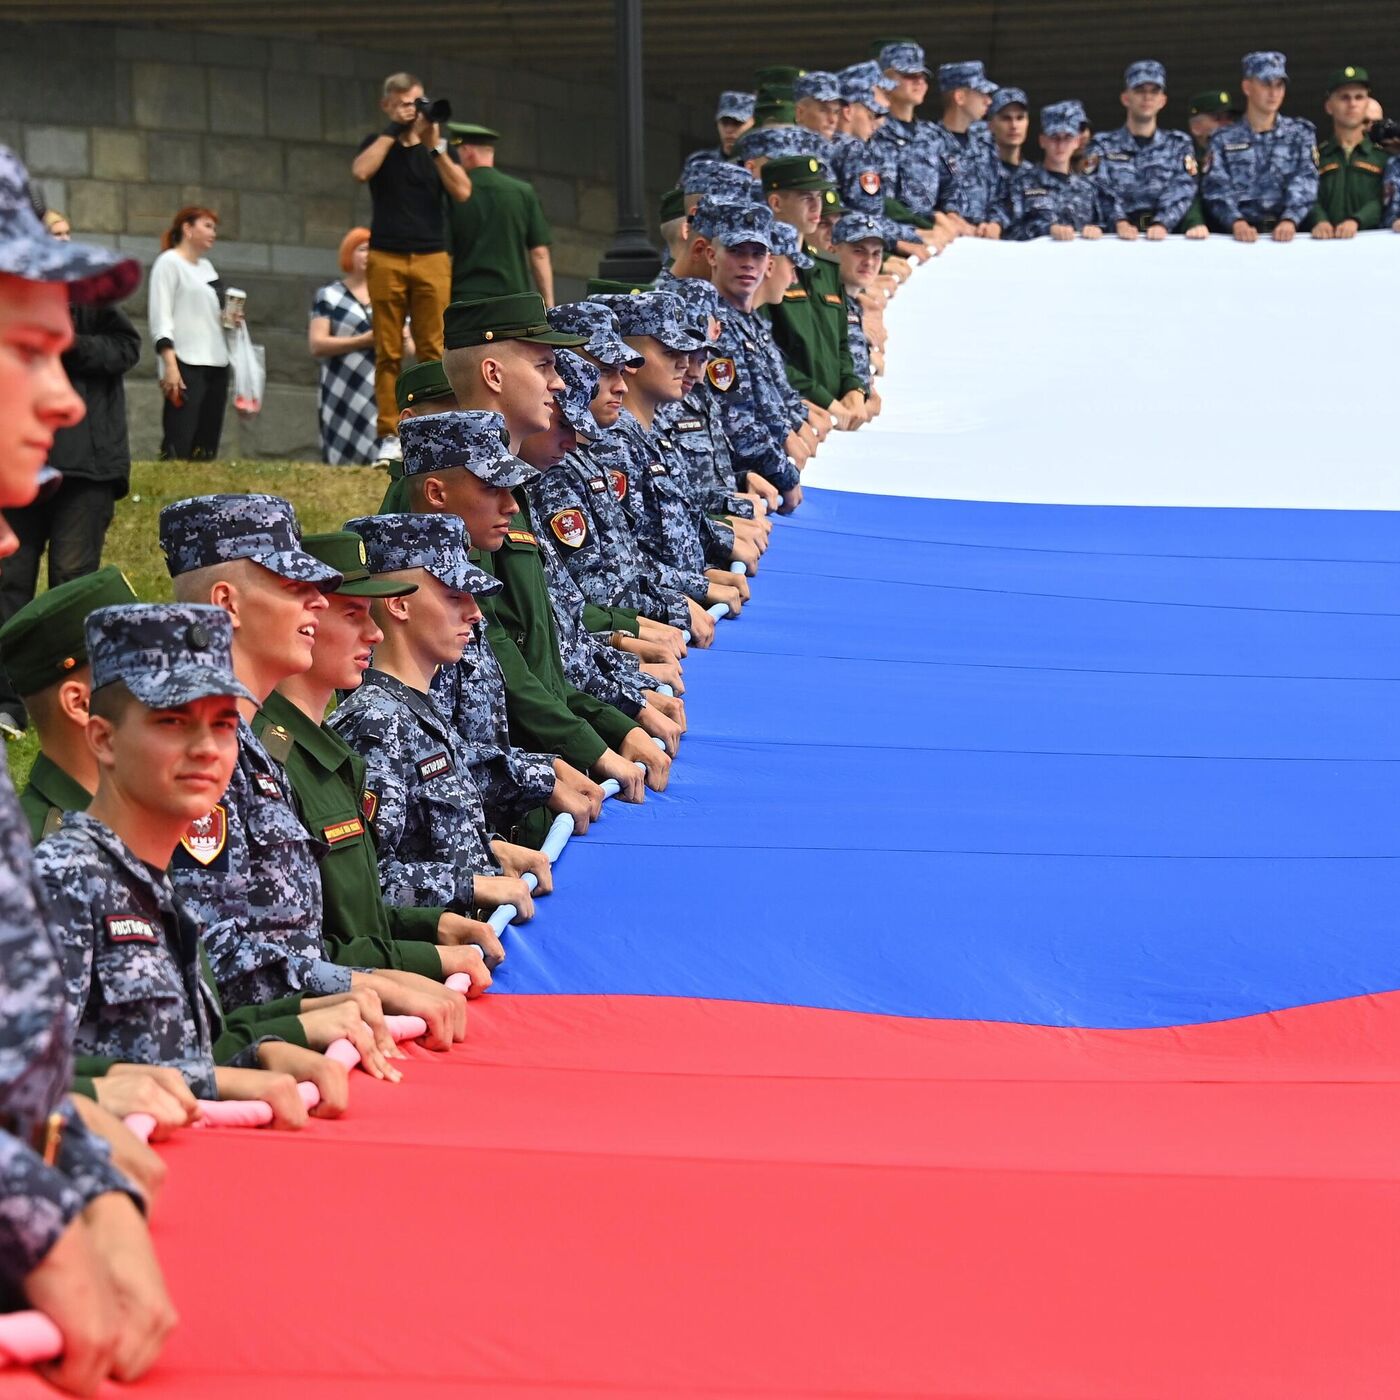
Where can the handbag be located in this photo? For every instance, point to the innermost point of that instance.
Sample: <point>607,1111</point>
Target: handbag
<point>249,363</point>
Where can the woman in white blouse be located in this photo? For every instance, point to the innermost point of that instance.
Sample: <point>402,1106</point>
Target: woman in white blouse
<point>186,316</point>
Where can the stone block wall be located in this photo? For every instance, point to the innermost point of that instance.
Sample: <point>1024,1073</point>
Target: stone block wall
<point>122,126</point>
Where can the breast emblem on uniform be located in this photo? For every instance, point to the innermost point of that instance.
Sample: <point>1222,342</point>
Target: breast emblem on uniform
<point>569,526</point>
<point>618,477</point>
<point>434,766</point>
<point>206,836</point>
<point>870,181</point>
<point>1191,166</point>
<point>720,374</point>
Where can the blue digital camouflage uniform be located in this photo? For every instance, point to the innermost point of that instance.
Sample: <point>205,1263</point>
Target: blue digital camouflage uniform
<point>247,872</point>
<point>40,1192</point>
<point>1146,183</point>
<point>131,954</point>
<point>853,228</point>
<point>915,158</point>
<point>1390,189</point>
<point>429,824</point>
<point>1040,198</point>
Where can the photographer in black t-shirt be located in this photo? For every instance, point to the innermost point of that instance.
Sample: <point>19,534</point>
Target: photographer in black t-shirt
<point>409,273</point>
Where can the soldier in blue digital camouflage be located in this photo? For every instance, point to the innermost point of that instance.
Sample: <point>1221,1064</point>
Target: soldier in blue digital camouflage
<point>1390,192</point>
<point>428,821</point>
<point>67,1214</point>
<point>860,241</point>
<point>733,117</point>
<point>1050,198</point>
<point>1147,175</point>
<point>817,106</point>
<point>655,500</point>
<point>969,180</point>
<point>247,869</point>
<point>916,155</point>
<point>164,732</point>
<point>1008,122</point>
<point>1262,171</point>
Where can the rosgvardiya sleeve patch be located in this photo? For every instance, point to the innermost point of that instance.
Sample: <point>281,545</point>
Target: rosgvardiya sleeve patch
<point>569,526</point>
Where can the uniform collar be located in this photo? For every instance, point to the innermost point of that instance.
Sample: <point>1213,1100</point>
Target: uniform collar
<point>56,787</point>
<point>107,840</point>
<point>322,747</point>
<point>421,704</point>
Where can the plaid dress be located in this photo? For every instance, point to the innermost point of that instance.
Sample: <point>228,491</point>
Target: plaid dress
<point>347,383</point>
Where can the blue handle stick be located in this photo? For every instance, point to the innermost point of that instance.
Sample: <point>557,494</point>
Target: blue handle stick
<point>560,829</point>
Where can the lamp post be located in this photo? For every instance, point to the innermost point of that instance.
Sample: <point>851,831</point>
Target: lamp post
<point>631,257</point>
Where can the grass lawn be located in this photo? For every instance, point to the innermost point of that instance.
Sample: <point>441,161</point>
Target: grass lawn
<point>324,497</point>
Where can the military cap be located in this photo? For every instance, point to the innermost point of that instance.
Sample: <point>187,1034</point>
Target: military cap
<point>1214,103</point>
<point>1144,71</point>
<point>1080,115</point>
<point>580,378</point>
<point>1268,65</point>
<point>762,143</point>
<point>29,251</point>
<point>166,654</point>
<point>1344,77</point>
<point>777,75</point>
<point>788,244</point>
<point>470,134</point>
<point>700,300</point>
<point>859,81</point>
<point>851,228</point>
<point>796,173</point>
<point>1061,119</point>
<point>711,212</point>
<point>611,284</point>
<point>736,106</point>
<point>831,205</point>
<point>744,223</point>
<point>672,205</point>
<point>484,320</point>
<point>421,384</point>
<point>594,320</point>
<point>471,438</point>
<point>903,56</point>
<point>952,76</point>
<point>1007,97</point>
<point>728,181</point>
<point>819,85</point>
<point>204,530</point>
<point>44,642</point>
<point>776,110</point>
<point>657,314</point>
<point>345,550</point>
<point>430,540</point>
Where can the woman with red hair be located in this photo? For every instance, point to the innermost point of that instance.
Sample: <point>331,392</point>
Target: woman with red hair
<point>186,316</point>
<point>341,336</point>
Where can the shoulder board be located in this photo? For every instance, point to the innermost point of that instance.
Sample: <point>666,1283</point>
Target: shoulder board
<point>278,743</point>
<point>522,537</point>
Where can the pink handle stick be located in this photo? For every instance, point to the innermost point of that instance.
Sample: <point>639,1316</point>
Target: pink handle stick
<point>343,1053</point>
<point>458,982</point>
<point>27,1337</point>
<point>233,1113</point>
<point>141,1125</point>
<point>406,1027</point>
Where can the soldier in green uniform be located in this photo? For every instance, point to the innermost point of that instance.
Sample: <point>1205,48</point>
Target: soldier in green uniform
<point>328,787</point>
<point>422,389</point>
<point>809,325</point>
<point>1350,164</point>
<point>499,238</point>
<point>1206,114</point>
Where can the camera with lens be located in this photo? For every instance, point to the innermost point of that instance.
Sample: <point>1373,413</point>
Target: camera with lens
<point>435,109</point>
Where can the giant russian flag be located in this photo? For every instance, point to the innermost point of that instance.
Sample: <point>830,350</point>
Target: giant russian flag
<point>1002,1000</point>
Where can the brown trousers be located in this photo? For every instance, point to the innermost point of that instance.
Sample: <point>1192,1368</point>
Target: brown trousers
<point>404,285</point>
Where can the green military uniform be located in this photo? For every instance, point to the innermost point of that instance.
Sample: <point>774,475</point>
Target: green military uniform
<point>489,235</point>
<point>610,286</point>
<point>545,711</point>
<point>810,325</point>
<point>1349,183</point>
<point>424,386</point>
<point>50,793</point>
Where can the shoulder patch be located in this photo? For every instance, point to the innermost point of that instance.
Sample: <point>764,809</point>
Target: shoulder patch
<point>434,766</point>
<point>869,181</point>
<point>569,526</point>
<point>131,928</point>
<point>205,838</point>
<point>1316,157</point>
<point>52,822</point>
<point>278,743</point>
<point>618,477</point>
<point>1191,167</point>
<point>369,804</point>
<point>522,537</point>
<point>720,374</point>
<point>337,832</point>
<point>1091,164</point>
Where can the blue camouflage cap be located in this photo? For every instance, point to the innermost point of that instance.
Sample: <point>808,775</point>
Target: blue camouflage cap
<point>475,439</point>
<point>580,378</point>
<point>657,314</point>
<point>1007,97</point>
<point>859,81</point>
<point>711,212</point>
<point>700,300</point>
<point>205,530</point>
<point>736,106</point>
<point>851,228</point>
<point>743,223</point>
<point>595,321</point>
<point>728,181</point>
<point>787,243</point>
<point>964,75</point>
<point>817,84</point>
<point>432,540</point>
<point>29,251</point>
<point>905,56</point>
<point>1061,119</point>
<point>167,654</point>
<point>696,167</point>
<point>1267,64</point>
<point>1145,70</point>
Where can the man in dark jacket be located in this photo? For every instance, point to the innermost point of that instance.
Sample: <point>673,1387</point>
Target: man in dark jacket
<point>96,464</point>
